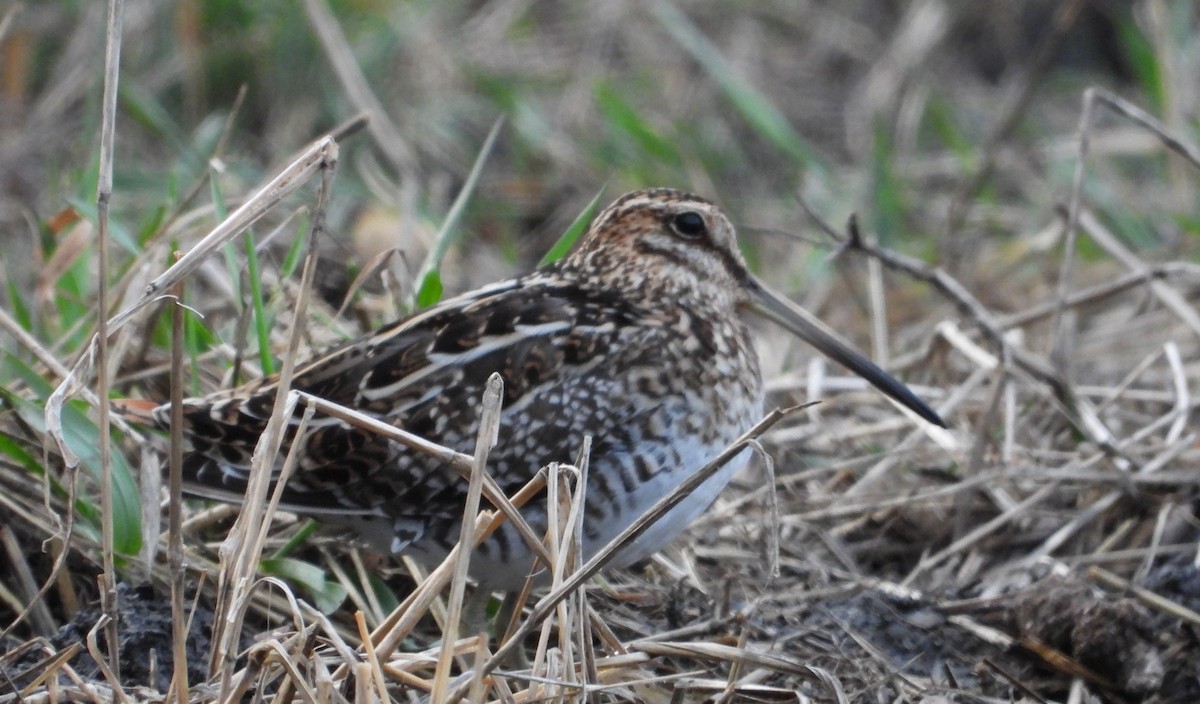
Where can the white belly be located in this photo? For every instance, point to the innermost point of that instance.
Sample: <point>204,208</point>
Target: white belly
<point>661,532</point>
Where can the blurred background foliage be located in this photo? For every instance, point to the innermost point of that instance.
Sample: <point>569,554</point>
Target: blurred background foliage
<point>869,106</point>
<point>949,127</point>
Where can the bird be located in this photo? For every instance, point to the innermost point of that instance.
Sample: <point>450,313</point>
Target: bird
<point>638,339</point>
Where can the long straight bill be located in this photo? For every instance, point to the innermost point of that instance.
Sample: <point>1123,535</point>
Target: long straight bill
<point>807,327</point>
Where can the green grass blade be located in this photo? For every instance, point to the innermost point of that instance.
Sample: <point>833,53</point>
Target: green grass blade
<point>20,312</point>
<point>297,540</point>
<point>327,594</point>
<point>15,451</point>
<point>117,230</point>
<point>83,438</point>
<point>1142,60</point>
<point>387,599</point>
<point>229,253</point>
<point>578,227</point>
<point>753,106</point>
<point>887,195</point>
<point>429,290</point>
<point>620,114</point>
<point>262,324</point>
<point>292,259</point>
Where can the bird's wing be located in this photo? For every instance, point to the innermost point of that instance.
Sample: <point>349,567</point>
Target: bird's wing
<point>425,374</point>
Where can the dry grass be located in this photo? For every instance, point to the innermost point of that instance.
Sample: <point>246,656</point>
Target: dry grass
<point>1042,549</point>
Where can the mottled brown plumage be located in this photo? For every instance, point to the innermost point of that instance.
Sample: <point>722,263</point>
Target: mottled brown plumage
<point>637,339</point>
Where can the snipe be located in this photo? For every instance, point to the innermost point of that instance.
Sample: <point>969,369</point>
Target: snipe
<point>637,339</point>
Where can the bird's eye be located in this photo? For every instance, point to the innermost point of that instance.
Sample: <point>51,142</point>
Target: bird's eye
<point>689,224</point>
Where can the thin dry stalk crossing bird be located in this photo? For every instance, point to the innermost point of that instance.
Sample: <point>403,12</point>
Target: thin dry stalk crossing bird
<point>638,339</point>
